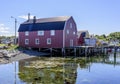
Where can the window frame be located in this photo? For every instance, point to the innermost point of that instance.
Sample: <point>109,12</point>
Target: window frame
<point>26,33</point>
<point>68,31</point>
<point>37,41</point>
<point>40,33</point>
<point>49,41</point>
<point>52,32</point>
<point>71,42</point>
<point>71,25</point>
<point>74,33</point>
<point>26,41</point>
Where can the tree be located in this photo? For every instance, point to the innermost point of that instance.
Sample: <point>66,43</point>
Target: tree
<point>111,36</point>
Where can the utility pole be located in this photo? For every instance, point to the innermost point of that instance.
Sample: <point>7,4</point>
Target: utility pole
<point>15,29</point>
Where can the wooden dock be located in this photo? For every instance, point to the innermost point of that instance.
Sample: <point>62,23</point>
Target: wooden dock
<point>78,51</point>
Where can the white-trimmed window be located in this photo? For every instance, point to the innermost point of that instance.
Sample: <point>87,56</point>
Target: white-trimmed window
<point>67,31</point>
<point>26,41</point>
<point>71,42</point>
<point>52,32</point>
<point>37,41</point>
<point>74,33</point>
<point>48,40</point>
<point>26,33</point>
<point>70,25</point>
<point>41,33</point>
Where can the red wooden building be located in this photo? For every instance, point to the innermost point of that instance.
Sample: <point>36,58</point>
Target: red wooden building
<point>55,32</point>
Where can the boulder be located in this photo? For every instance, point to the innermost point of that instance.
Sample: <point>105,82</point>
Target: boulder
<point>1,55</point>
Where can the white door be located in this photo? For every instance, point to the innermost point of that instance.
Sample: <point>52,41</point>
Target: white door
<point>71,42</point>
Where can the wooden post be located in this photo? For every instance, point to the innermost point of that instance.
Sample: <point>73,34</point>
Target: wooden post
<point>78,51</point>
<point>51,52</point>
<point>102,50</point>
<point>39,49</point>
<point>89,51</point>
<point>75,52</point>
<point>86,51</point>
<point>63,51</point>
<point>115,58</point>
<point>92,51</point>
<point>105,51</point>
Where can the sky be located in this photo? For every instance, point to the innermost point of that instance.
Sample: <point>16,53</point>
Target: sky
<point>97,16</point>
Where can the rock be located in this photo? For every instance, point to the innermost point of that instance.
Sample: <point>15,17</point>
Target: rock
<point>3,61</point>
<point>1,55</point>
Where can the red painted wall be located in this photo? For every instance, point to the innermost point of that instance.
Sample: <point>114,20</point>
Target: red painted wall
<point>56,40</point>
<point>70,35</point>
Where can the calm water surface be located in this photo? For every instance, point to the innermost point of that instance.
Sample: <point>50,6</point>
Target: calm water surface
<point>87,70</point>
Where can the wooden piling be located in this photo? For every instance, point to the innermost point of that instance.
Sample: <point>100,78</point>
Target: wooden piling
<point>75,52</point>
<point>51,52</point>
<point>63,51</point>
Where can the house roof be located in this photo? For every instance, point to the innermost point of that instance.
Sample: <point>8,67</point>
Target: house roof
<point>82,31</point>
<point>54,23</point>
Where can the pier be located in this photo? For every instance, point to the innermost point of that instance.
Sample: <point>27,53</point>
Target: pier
<point>79,51</point>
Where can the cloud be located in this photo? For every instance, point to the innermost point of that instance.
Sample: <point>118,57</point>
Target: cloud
<point>4,30</point>
<point>85,80</point>
<point>26,17</point>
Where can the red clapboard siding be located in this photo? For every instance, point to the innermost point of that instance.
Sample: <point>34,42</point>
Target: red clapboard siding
<point>59,40</point>
<point>70,35</point>
<point>56,40</point>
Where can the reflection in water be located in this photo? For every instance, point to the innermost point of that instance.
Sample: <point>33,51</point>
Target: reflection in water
<point>8,73</point>
<point>89,70</point>
<point>77,70</point>
<point>50,75</point>
<point>101,70</point>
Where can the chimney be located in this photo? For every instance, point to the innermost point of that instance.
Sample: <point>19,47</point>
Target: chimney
<point>34,19</point>
<point>28,17</point>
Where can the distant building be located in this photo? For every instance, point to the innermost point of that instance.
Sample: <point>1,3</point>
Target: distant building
<point>83,31</point>
<point>81,36</point>
<point>6,40</point>
<point>90,41</point>
<point>113,42</point>
<point>55,32</point>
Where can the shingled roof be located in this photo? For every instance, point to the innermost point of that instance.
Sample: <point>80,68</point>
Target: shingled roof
<point>54,23</point>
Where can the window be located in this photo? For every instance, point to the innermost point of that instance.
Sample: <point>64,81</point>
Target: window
<point>70,25</point>
<point>26,33</point>
<point>48,40</point>
<point>26,41</point>
<point>41,33</point>
<point>71,42</point>
<point>67,31</point>
<point>52,32</point>
<point>74,33</point>
<point>37,41</point>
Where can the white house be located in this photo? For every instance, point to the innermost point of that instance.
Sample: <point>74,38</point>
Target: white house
<point>90,41</point>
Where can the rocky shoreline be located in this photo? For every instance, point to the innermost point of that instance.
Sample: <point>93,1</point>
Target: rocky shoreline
<point>16,55</point>
<point>5,55</point>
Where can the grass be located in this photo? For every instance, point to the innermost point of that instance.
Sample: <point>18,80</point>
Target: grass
<point>2,45</point>
<point>118,44</point>
<point>11,47</point>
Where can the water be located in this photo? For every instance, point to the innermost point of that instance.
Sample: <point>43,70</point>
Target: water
<point>86,70</point>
